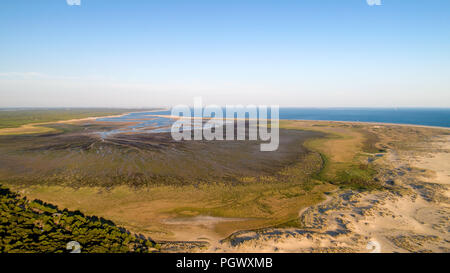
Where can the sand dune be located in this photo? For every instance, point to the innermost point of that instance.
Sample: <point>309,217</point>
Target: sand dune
<point>413,216</point>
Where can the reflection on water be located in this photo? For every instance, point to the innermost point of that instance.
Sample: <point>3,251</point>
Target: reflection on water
<point>149,122</point>
<point>143,122</point>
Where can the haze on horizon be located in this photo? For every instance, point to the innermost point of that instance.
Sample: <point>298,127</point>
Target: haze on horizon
<point>307,53</point>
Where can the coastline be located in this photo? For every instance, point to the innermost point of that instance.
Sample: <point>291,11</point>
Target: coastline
<point>331,121</point>
<point>346,220</point>
<point>374,123</point>
<point>33,128</point>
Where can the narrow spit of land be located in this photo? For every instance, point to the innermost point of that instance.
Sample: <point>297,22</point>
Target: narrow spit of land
<point>16,122</point>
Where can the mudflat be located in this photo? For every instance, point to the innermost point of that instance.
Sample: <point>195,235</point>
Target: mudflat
<point>330,187</point>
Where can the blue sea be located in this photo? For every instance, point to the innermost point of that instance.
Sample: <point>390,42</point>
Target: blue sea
<point>417,116</point>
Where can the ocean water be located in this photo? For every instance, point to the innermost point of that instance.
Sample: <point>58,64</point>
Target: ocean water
<point>417,116</point>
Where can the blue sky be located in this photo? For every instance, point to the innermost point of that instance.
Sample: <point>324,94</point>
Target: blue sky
<point>138,53</point>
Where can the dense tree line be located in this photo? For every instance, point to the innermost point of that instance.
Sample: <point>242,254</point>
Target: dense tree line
<point>36,226</point>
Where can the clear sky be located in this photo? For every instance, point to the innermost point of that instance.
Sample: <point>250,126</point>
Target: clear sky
<point>140,53</point>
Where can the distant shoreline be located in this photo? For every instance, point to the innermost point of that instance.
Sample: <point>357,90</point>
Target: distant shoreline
<point>333,121</point>
<point>374,123</point>
<point>32,128</point>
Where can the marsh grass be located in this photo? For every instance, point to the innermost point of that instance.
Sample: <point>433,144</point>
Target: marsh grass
<point>139,181</point>
<point>341,154</point>
<point>144,210</point>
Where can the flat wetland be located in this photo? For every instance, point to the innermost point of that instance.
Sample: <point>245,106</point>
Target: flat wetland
<point>140,180</point>
<point>200,190</point>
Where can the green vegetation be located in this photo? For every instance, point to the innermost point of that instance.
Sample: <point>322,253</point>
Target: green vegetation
<point>352,175</point>
<point>142,181</point>
<point>370,142</point>
<point>16,118</point>
<point>360,177</point>
<point>342,155</point>
<point>35,226</point>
